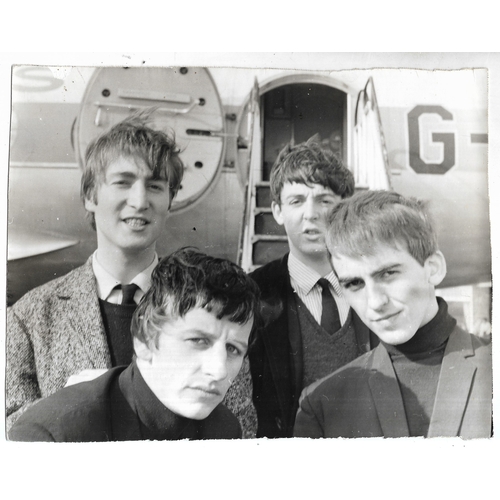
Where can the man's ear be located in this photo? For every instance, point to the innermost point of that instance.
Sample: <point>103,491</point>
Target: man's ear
<point>142,351</point>
<point>436,266</point>
<point>89,205</point>
<point>276,209</point>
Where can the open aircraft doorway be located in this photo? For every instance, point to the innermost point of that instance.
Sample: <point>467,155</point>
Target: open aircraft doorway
<point>294,112</point>
<point>293,109</point>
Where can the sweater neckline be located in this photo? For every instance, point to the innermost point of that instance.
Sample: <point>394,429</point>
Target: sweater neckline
<point>157,421</point>
<point>430,337</point>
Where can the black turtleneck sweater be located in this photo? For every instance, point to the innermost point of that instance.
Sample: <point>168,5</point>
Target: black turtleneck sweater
<point>156,421</point>
<point>417,364</point>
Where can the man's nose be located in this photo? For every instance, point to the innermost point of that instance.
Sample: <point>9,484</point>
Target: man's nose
<point>215,363</point>
<point>311,209</point>
<point>138,196</point>
<point>377,297</point>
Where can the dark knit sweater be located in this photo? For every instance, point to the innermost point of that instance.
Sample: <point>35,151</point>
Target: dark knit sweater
<point>117,319</point>
<point>323,352</point>
<point>417,364</point>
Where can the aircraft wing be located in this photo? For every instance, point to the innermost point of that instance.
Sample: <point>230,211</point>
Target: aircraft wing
<point>27,243</point>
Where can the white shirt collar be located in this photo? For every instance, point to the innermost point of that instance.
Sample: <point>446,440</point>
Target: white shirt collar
<point>305,278</point>
<point>106,282</point>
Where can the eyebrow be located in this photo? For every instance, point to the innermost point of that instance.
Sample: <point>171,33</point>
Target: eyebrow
<point>385,268</point>
<point>131,175</point>
<point>316,196</point>
<point>294,195</point>
<point>381,270</point>
<point>243,345</point>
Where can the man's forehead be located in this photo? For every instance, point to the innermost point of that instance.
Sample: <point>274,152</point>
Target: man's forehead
<point>209,321</point>
<point>375,256</point>
<point>132,165</point>
<point>301,187</point>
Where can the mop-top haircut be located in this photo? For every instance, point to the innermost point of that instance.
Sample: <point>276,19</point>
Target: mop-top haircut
<point>134,138</point>
<point>357,224</point>
<point>308,163</point>
<point>187,279</point>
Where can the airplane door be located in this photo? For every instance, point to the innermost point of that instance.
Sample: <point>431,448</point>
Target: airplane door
<point>293,109</point>
<point>371,165</point>
<point>186,102</point>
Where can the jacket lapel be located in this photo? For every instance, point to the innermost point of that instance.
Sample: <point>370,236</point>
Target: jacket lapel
<point>455,381</point>
<point>296,355</point>
<point>284,352</point>
<point>386,395</point>
<point>80,305</point>
<point>365,338</point>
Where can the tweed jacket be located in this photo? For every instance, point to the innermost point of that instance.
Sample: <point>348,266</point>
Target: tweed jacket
<point>56,330</point>
<point>117,406</point>
<point>363,398</point>
<point>276,359</point>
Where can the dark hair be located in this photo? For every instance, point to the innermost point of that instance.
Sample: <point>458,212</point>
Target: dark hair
<point>187,279</point>
<point>370,217</point>
<point>132,137</point>
<point>309,163</point>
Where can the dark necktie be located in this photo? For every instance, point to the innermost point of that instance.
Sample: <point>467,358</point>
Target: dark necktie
<point>128,292</point>
<point>330,319</point>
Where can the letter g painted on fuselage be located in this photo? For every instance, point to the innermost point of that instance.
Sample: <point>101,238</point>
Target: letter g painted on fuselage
<point>446,138</point>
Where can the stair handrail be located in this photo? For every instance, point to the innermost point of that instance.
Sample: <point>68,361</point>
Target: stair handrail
<point>247,227</point>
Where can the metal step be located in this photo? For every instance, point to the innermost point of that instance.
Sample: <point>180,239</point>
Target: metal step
<point>263,194</point>
<point>266,224</point>
<point>266,250</point>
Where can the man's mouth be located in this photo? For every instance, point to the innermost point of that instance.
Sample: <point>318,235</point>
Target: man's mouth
<point>135,222</point>
<point>387,317</point>
<point>312,232</point>
<point>209,391</point>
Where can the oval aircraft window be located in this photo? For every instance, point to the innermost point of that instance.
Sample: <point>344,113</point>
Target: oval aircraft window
<point>187,103</point>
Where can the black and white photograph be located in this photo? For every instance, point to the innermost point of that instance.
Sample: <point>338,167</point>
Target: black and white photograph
<point>295,255</point>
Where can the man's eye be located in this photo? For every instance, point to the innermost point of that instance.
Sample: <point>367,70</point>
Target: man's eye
<point>233,350</point>
<point>353,285</point>
<point>198,341</point>
<point>389,274</point>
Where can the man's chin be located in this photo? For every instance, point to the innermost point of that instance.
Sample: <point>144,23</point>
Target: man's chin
<point>395,337</point>
<point>195,412</point>
<point>314,251</point>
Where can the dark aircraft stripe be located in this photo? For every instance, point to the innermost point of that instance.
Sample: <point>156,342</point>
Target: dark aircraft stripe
<point>479,138</point>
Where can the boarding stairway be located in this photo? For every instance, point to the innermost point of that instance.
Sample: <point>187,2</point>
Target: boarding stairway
<point>266,240</point>
<point>261,238</point>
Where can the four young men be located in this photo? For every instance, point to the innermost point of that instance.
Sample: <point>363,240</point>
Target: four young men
<point>425,378</point>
